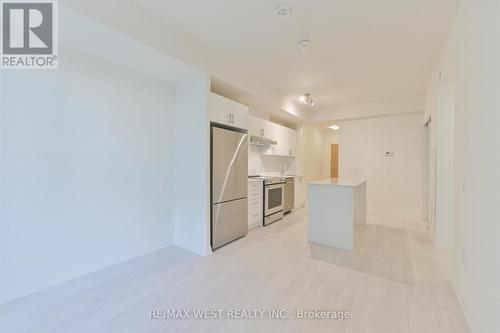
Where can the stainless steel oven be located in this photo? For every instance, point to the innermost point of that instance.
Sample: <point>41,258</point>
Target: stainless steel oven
<point>274,198</point>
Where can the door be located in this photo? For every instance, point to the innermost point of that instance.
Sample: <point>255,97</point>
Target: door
<point>229,164</point>
<point>240,118</point>
<point>274,197</point>
<point>334,160</point>
<point>229,222</point>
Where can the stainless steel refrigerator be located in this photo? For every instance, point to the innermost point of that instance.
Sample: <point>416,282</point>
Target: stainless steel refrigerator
<point>229,181</point>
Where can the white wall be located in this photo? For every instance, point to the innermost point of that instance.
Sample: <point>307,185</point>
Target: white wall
<point>192,166</point>
<point>471,60</point>
<point>445,141</point>
<point>87,174</point>
<point>259,163</point>
<point>87,165</point>
<point>394,183</point>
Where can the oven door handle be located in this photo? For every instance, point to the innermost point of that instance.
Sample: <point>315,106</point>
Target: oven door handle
<point>270,187</point>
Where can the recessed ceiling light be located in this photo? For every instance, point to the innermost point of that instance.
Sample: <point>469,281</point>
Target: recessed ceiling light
<point>304,44</point>
<point>283,10</point>
<point>335,127</point>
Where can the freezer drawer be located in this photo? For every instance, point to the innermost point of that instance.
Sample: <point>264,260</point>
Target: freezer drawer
<point>229,222</point>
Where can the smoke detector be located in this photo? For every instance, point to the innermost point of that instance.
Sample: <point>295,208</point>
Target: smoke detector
<point>283,10</point>
<point>304,44</point>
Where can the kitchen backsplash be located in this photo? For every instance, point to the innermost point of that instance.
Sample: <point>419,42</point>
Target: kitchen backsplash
<point>261,164</point>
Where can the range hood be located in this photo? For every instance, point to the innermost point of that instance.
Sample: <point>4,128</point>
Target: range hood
<point>259,140</point>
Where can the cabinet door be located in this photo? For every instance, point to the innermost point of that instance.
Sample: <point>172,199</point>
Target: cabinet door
<point>266,129</point>
<point>292,142</point>
<point>255,203</point>
<point>259,127</point>
<point>300,192</point>
<point>280,134</point>
<point>228,112</point>
<point>254,125</point>
<point>287,141</point>
<point>239,118</point>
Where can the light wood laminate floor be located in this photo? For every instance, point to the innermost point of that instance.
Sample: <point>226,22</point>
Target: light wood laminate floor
<point>394,281</point>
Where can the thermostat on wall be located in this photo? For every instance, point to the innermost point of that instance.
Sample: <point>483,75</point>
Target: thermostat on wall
<point>388,153</point>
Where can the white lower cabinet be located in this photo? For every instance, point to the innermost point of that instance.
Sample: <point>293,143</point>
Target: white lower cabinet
<point>300,192</point>
<point>255,203</point>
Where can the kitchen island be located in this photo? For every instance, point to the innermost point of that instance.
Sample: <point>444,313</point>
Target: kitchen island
<point>333,207</point>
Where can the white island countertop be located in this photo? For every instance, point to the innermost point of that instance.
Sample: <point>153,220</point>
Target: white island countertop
<point>337,182</point>
<point>334,206</point>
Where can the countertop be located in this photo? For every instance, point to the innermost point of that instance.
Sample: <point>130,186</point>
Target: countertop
<point>278,174</point>
<point>337,182</point>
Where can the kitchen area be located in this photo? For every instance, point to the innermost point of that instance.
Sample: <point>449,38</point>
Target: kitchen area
<point>253,161</point>
<point>272,177</point>
<point>255,181</point>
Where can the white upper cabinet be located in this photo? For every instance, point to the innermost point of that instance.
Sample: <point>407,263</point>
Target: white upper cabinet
<point>259,127</point>
<point>280,136</point>
<point>292,142</point>
<point>227,112</point>
<point>284,136</point>
<point>287,141</point>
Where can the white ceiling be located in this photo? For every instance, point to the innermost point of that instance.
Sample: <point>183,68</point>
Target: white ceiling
<point>362,50</point>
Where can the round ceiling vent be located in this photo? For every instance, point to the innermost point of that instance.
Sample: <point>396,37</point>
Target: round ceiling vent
<point>304,44</point>
<point>283,10</point>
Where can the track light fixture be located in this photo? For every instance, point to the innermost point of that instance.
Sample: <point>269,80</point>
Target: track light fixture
<point>307,99</point>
